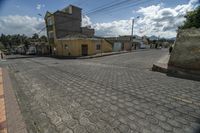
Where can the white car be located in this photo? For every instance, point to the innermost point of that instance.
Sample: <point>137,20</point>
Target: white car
<point>142,45</point>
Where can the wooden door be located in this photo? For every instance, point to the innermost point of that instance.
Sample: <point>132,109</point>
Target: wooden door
<point>84,50</point>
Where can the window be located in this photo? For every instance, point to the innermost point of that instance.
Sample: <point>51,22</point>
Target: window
<point>66,46</point>
<point>70,10</point>
<point>51,34</point>
<point>98,47</point>
<point>49,21</point>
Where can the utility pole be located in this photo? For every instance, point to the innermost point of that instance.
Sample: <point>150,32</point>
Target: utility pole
<point>132,33</point>
<point>132,27</point>
<point>133,21</point>
<point>101,47</point>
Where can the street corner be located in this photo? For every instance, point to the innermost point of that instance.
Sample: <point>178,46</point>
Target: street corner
<point>3,125</point>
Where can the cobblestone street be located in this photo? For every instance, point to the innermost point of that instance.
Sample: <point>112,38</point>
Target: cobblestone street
<point>111,94</point>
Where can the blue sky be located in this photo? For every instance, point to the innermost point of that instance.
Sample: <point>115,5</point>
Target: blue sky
<point>29,9</point>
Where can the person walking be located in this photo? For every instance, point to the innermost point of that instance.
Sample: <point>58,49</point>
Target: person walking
<point>1,55</point>
<point>170,49</point>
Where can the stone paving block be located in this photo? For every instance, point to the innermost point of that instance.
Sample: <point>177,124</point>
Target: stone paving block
<point>110,94</point>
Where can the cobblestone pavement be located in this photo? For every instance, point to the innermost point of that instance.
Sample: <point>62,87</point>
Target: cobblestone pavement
<point>113,94</point>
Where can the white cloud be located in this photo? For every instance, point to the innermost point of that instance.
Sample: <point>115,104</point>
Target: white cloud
<point>154,20</point>
<point>115,28</point>
<point>39,6</point>
<point>86,21</point>
<point>21,25</point>
<point>163,21</point>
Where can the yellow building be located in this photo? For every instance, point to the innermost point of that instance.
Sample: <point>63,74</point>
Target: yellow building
<point>77,46</point>
<point>66,37</point>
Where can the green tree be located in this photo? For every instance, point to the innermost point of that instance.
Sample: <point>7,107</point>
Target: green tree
<point>35,36</point>
<point>1,46</point>
<point>24,39</point>
<point>43,39</point>
<point>3,39</point>
<point>192,19</point>
<point>12,41</point>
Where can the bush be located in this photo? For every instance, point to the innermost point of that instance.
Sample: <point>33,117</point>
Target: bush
<point>192,19</point>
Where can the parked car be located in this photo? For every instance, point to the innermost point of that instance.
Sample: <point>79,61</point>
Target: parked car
<point>142,45</point>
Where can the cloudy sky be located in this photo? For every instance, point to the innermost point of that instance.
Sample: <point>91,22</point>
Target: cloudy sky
<point>156,17</point>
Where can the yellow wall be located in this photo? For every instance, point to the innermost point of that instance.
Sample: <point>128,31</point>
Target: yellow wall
<point>127,46</point>
<point>74,47</point>
<point>106,47</point>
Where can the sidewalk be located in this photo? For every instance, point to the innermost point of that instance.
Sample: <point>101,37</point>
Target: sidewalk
<point>110,53</point>
<point>74,57</point>
<point>102,54</point>
<point>3,125</point>
<point>13,121</point>
<point>162,64</point>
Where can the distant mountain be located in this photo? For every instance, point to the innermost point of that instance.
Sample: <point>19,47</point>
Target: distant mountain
<point>153,38</point>
<point>137,37</point>
<point>156,38</point>
<point>173,38</point>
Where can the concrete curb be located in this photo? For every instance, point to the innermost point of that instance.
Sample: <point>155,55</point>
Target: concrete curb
<point>3,120</point>
<point>81,57</point>
<point>109,54</point>
<point>175,72</point>
<point>183,73</point>
<point>15,122</point>
<point>160,68</point>
<point>97,56</point>
<point>162,64</point>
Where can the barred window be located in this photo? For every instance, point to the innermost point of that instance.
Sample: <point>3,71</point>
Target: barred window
<point>49,21</point>
<point>98,47</point>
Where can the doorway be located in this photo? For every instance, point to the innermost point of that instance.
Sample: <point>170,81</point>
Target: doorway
<point>84,50</point>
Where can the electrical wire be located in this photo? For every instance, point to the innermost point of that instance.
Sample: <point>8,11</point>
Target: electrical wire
<point>109,6</point>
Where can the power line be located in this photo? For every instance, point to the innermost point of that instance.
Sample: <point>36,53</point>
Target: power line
<point>106,7</point>
<point>81,3</point>
<point>128,6</point>
<point>41,30</point>
<point>109,6</point>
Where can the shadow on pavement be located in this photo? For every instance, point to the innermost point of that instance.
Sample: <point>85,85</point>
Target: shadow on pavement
<point>2,125</point>
<point>191,77</point>
<point>19,57</point>
<point>12,57</point>
<point>197,130</point>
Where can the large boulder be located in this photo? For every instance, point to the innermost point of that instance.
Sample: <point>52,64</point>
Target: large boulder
<point>186,52</point>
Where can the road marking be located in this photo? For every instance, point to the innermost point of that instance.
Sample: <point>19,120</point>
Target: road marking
<point>185,100</point>
<point>3,128</point>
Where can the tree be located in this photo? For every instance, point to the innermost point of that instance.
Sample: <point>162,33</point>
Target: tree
<point>35,36</point>
<point>24,39</point>
<point>192,19</point>
<point>2,47</point>
<point>3,40</point>
<point>6,40</point>
<point>12,41</point>
<point>43,38</point>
